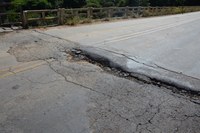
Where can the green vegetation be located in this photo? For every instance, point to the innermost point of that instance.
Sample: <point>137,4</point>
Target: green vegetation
<point>77,20</point>
<point>75,16</point>
<point>30,4</point>
<point>43,4</point>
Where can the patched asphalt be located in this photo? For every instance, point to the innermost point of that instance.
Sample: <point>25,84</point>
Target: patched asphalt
<point>145,72</point>
<point>78,96</point>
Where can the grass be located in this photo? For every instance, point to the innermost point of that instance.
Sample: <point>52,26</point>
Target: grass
<point>77,20</point>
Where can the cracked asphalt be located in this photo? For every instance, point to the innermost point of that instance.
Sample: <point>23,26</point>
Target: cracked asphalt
<point>170,42</point>
<point>43,89</point>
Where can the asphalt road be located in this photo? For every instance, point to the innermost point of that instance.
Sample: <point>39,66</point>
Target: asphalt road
<point>171,42</point>
<point>43,89</point>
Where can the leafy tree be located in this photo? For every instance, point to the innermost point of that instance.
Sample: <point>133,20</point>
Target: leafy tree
<point>93,3</point>
<point>74,3</point>
<point>30,4</point>
<point>133,2</point>
<point>56,3</point>
<point>180,2</point>
<point>121,3</point>
<point>107,3</point>
<point>144,3</point>
<point>43,4</point>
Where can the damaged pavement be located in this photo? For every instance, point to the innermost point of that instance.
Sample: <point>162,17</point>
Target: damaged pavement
<point>49,84</point>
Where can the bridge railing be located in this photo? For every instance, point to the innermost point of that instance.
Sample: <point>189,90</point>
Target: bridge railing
<point>119,12</point>
<point>70,16</point>
<point>10,18</point>
<point>40,17</point>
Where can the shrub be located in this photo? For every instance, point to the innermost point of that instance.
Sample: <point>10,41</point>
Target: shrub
<point>73,21</point>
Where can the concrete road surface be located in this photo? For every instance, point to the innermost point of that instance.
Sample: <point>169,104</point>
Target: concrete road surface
<point>172,42</point>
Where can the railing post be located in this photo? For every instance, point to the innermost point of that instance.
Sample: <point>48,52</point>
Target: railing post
<point>110,12</point>
<point>75,12</point>
<point>60,15</point>
<point>148,9</point>
<point>89,12</point>
<point>25,19</point>
<point>126,11</point>
<point>138,11</point>
<point>43,15</point>
<point>156,10</point>
<point>133,12</point>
